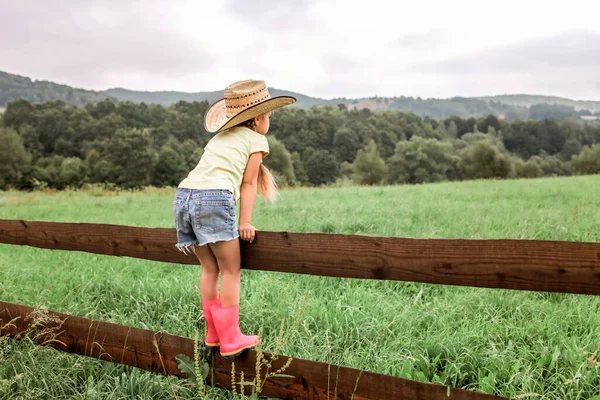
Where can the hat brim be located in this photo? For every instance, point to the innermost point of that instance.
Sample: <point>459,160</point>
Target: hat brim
<point>216,119</point>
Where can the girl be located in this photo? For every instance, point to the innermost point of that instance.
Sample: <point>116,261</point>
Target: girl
<point>230,169</point>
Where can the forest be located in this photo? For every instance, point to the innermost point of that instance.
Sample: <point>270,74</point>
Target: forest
<point>132,145</point>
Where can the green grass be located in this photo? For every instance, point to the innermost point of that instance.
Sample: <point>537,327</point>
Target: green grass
<point>500,341</point>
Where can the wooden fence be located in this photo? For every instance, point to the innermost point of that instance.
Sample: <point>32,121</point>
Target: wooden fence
<point>553,266</point>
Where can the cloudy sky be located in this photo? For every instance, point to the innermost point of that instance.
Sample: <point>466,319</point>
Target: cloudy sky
<point>323,48</point>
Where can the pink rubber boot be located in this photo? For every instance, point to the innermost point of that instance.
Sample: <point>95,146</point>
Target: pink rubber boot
<point>211,340</point>
<point>233,342</point>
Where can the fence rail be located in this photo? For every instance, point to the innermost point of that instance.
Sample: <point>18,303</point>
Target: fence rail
<point>135,347</point>
<point>552,266</point>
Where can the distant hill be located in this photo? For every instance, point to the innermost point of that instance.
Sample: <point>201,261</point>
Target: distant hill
<point>164,98</point>
<point>436,108</point>
<point>504,106</point>
<point>521,106</point>
<point>527,100</point>
<point>15,86</point>
<point>167,98</point>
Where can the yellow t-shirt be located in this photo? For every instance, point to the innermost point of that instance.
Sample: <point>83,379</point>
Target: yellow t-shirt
<point>224,160</point>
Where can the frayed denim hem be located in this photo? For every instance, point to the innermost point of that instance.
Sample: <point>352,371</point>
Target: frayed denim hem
<point>186,248</point>
<point>220,238</point>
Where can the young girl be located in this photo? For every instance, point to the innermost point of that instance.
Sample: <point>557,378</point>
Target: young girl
<point>230,169</point>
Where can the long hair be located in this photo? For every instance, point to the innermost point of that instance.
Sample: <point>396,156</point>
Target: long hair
<point>267,187</point>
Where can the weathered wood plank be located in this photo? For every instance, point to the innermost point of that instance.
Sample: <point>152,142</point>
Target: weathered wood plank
<point>553,266</point>
<point>135,347</point>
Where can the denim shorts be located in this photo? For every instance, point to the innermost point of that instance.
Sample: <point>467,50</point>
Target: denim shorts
<point>204,216</point>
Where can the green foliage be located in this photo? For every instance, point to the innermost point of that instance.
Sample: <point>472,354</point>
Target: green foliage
<point>346,143</point>
<point>474,137</point>
<point>187,366</point>
<point>368,167</point>
<point>554,111</point>
<point>529,169</point>
<point>588,161</point>
<point>321,166</point>
<point>571,148</point>
<point>105,127</point>
<point>51,124</point>
<point>101,109</point>
<point>81,123</point>
<point>551,165</point>
<point>15,161</point>
<point>72,172</point>
<point>47,170</point>
<point>299,170</point>
<point>491,121</point>
<point>135,115</point>
<point>346,170</point>
<point>530,137</point>
<point>590,134</point>
<point>186,121</point>
<point>170,168</point>
<point>131,158</point>
<point>55,129</point>
<point>421,160</point>
<point>452,130</point>
<point>60,172</point>
<point>31,141</point>
<point>386,141</point>
<point>483,160</point>
<point>17,113</point>
<point>279,160</point>
<point>98,169</point>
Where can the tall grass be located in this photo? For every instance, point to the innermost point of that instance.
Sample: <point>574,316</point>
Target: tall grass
<point>511,343</point>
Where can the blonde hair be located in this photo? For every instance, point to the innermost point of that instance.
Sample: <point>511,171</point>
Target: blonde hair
<point>267,187</point>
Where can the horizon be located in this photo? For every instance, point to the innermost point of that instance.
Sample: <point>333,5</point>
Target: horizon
<point>301,93</point>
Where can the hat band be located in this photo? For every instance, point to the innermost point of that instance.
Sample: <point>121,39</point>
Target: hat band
<point>234,109</point>
<point>246,95</point>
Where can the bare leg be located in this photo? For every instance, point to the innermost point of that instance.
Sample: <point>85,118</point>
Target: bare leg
<point>209,277</point>
<point>226,318</point>
<point>228,258</point>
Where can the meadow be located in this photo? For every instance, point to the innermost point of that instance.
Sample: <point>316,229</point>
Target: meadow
<point>517,344</point>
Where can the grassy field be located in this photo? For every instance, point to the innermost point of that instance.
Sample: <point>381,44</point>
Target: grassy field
<point>511,343</point>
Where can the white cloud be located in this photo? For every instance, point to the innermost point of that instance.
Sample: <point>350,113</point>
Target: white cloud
<point>325,48</point>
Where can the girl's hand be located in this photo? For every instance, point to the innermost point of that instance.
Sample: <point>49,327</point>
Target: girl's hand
<point>247,232</point>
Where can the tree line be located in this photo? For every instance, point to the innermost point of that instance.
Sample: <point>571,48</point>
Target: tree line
<point>132,145</point>
<point>15,86</point>
<point>510,107</point>
<point>475,107</point>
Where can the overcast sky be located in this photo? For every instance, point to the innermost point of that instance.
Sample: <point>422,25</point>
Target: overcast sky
<point>321,48</point>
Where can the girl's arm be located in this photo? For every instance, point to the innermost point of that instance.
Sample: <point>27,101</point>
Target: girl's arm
<point>248,196</point>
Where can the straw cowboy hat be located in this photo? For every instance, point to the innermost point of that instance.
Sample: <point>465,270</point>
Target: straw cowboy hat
<point>243,100</point>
